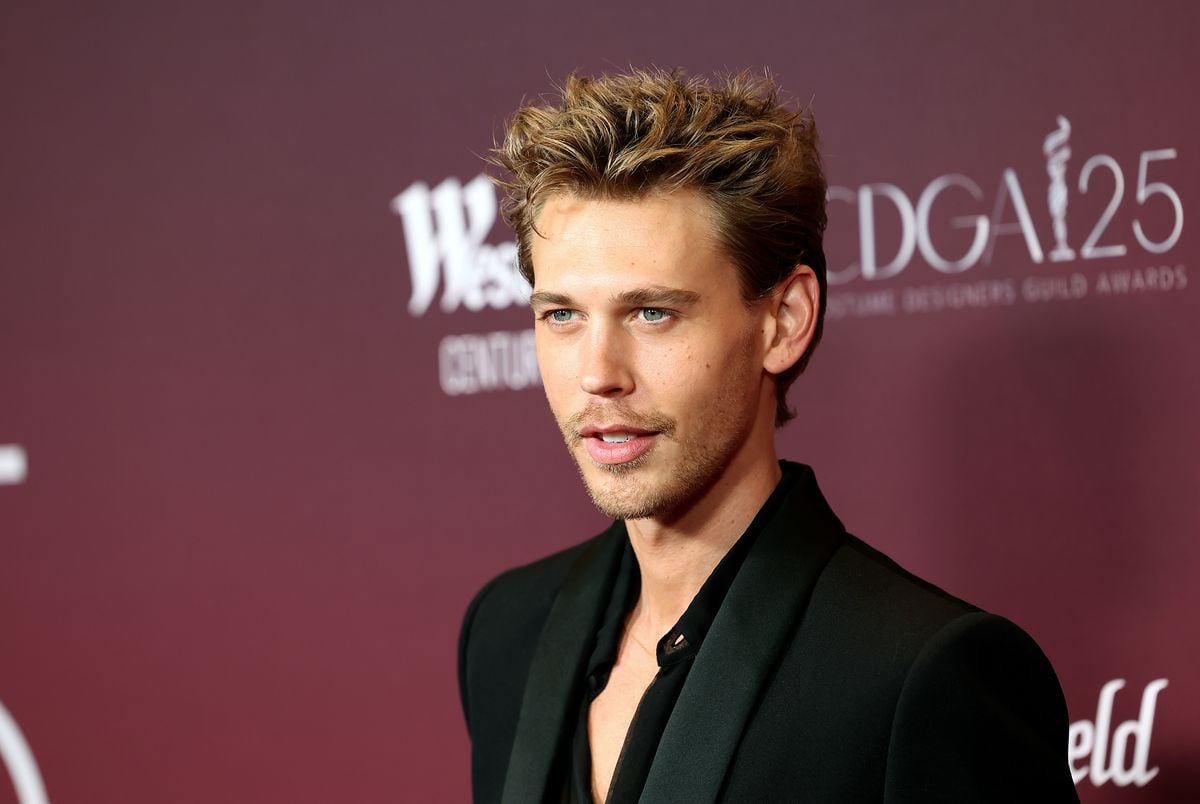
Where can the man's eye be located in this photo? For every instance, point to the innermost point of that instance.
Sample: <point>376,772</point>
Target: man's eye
<point>654,315</point>
<point>560,316</point>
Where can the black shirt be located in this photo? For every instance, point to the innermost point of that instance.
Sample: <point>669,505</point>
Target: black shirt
<point>676,652</point>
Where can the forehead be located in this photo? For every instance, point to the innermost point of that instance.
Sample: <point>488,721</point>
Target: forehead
<point>659,239</point>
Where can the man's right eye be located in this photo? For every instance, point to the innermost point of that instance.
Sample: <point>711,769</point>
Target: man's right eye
<point>560,316</point>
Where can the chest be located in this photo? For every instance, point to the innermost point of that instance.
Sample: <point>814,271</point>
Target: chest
<point>611,713</point>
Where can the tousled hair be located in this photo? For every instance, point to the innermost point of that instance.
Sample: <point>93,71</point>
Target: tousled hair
<point>623,137</point>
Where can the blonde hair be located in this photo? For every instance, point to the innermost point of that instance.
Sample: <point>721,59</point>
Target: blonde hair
<point>752,157</point>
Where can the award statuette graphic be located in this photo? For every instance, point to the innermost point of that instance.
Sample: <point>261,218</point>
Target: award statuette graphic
<point>16,756</point>
<point>1057,153</point>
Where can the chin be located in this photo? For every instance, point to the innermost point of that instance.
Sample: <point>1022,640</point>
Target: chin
<point>619,505</point>
<point>630,490</point>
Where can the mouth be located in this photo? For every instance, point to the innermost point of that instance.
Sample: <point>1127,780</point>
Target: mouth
<point>616,443</point>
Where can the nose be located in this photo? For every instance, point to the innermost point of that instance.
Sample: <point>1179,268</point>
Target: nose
<point>604,362</point>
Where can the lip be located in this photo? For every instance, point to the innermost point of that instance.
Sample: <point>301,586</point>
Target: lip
<point>611,454</point>
<point>592,431</point>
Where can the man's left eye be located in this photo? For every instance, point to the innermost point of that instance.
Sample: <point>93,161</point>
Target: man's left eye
<point>653,314</point>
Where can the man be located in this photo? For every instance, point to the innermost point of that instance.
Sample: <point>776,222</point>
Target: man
<point>725,639</point>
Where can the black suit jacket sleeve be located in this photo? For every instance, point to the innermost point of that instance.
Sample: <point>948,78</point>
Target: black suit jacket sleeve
<point>976,720</point>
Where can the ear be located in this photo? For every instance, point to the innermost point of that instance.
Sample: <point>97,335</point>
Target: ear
<point>792,319</point>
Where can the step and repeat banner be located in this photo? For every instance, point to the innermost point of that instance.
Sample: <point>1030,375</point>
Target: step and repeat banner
<point>270,412</point>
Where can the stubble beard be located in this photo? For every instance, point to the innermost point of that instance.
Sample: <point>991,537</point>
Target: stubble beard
<point>633,490</point>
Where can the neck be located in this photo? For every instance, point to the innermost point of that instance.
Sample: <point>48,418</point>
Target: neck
<point>676,556</point>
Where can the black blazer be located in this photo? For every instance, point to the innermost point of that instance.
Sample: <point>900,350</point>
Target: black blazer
<point>830,674</point>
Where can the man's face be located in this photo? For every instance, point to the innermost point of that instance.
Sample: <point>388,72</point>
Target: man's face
<point>651,361</point>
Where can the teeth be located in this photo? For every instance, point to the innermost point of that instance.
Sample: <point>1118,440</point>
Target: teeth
<point>616,438</point>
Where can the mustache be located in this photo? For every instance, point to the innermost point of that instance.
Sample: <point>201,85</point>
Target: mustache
<point>596,414</point>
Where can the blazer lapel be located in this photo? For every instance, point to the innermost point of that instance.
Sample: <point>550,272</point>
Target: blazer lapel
<point>755,622</point>
<point>555,676</point>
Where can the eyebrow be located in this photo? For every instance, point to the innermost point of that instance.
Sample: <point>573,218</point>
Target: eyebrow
<point>653,296</point>
<point>545,298</point>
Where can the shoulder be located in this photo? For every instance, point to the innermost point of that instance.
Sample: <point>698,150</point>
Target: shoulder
<point>503,622</point>
<point>857,585</point>
<point>910,619</point>
<point>522,590</point>
<point>499,635</point>
<point>517,600</point>
<point>864,582</point>
<point>869,618</point>
<point>869,614</point>
<point>981,709</point>
<point>975,702</point>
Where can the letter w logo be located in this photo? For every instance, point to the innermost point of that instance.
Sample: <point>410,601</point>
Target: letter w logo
<point>444,229</point>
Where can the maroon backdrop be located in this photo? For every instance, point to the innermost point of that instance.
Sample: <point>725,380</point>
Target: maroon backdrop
<point>268,416</point>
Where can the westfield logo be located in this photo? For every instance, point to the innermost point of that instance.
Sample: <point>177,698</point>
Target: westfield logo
<point>1115,753</point>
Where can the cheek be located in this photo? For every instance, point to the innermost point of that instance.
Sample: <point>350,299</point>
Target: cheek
<point>734,355</point>
<point>707,370</point>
